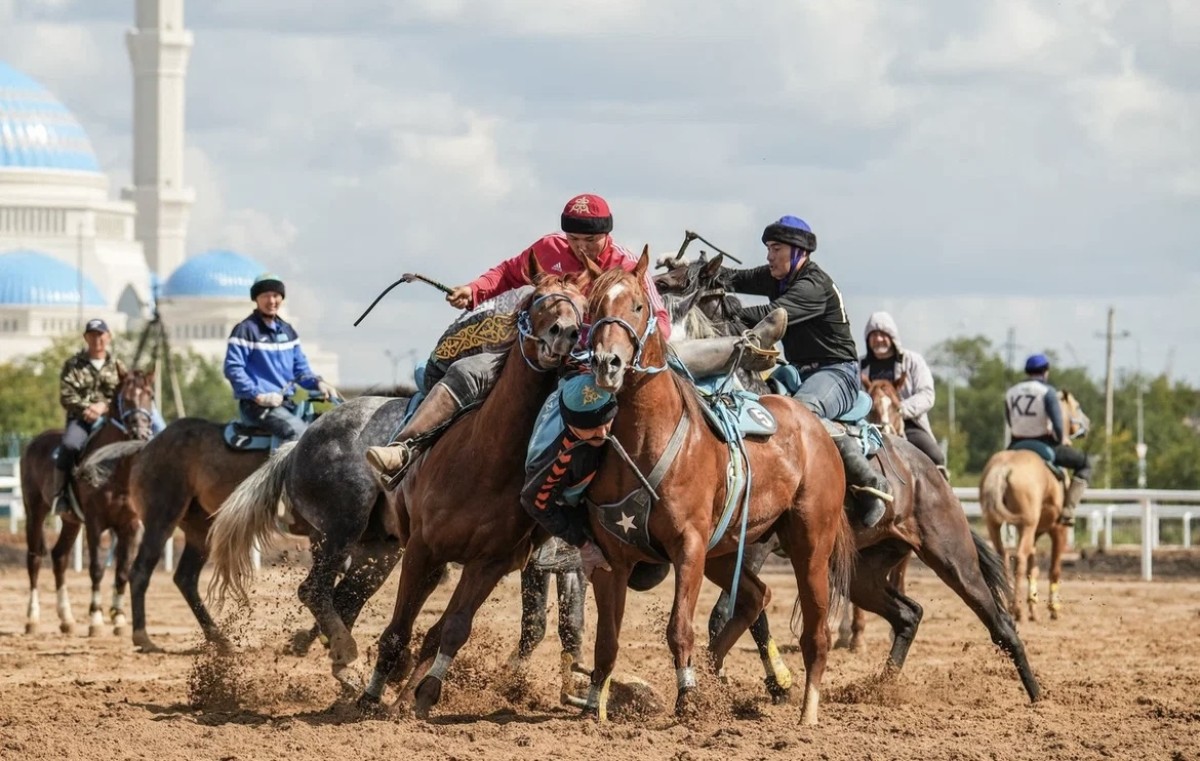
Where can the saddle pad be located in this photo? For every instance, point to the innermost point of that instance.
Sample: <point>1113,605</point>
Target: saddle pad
<point>1042,450</point>
<point>740,410</point>
<point>246,439</point>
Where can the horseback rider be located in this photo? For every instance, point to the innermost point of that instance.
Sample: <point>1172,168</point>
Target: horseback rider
<point>87,381</point>
<point>886,360</point>
<point>264,361</point>
<point>817,342</point>
<point>1033,412</point>
<point>587,225</point>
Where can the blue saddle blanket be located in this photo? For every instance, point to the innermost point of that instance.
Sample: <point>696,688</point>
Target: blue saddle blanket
<point>737,410</point>
<point>247,438</point>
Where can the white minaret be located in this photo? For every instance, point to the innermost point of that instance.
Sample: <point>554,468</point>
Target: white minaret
<point>158,50</point>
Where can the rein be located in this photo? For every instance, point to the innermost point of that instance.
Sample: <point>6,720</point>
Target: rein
<point>638,341</point>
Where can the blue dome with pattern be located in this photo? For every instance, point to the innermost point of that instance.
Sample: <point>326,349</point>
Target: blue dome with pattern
<point>36,130</point>
<point>31,278</point>
<point>213,274</point>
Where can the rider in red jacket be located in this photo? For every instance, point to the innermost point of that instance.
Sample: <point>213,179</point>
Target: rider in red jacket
<point>586,226</point>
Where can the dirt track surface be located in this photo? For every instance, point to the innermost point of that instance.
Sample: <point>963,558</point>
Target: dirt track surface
<point>1121,674</point>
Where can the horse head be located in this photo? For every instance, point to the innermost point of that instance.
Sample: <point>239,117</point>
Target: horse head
<point>1077,422</point>
<point>623,325</point>
<point>695,285</point>
<point>885,404</point>
<point>550,325</point>
<point>133,404</point>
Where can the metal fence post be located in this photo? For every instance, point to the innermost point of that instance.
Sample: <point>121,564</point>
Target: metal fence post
<point>1187,530</point>
<point>1147,540</point>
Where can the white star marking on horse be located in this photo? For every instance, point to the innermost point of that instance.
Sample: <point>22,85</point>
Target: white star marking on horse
<point>627,523</point>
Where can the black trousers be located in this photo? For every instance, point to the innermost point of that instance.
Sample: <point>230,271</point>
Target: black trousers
<point>923,440</point>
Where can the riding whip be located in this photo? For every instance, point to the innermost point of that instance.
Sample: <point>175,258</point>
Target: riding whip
<point>407,277</point>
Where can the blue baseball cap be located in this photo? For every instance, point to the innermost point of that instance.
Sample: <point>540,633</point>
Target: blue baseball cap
<point>1037,363</point>
<point>95,325</point>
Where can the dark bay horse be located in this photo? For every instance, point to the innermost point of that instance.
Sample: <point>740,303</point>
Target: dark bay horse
<point>104,503</point>
<point>478,521</point>
<point>799,487</point>
<point>926,520</point>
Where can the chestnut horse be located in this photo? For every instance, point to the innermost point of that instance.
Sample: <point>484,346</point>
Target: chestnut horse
<point>105,505</point>
<point>460,502</point>
<point>798,489</point>
<point>927,520</point>
<point>1018,488</point>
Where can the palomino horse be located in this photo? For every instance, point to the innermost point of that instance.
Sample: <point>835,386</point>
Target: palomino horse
<point>104,505</point>
<point>927,520</point>
<point>1018,488</point>
<point>179,479</point>
<point>442,517</point>
<point>799,486</point>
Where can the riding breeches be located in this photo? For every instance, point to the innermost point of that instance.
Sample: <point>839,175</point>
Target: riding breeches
<point>830,391</point>
<point>72,442</point>
<point>1078,461</point>
<point>278,420</point>
<point>923,440</point>
<point>468,379</point>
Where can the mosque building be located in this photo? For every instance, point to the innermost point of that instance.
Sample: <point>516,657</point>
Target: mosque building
<point>70,251</point>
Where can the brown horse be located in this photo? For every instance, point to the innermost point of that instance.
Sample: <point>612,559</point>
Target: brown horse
<point>798,489</point>
<point>105,505</point>
<point>460,502</point>
<point>1018,488</point>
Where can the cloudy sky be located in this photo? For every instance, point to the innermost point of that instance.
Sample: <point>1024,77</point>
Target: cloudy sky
<point>970,167</point>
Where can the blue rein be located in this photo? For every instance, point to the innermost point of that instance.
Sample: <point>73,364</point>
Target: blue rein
<point>638,341</point>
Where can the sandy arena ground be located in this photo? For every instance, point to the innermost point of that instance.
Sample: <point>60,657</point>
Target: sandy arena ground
<point>1121,674</point>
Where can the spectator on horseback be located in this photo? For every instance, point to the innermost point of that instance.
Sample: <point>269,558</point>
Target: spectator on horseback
<point>87,381</point>
<point>887,360</point>
<point>559,470</point>
<point>817,342</point>
<point>264,362</point>
<point>587,225</point>
<point>1033,413</point>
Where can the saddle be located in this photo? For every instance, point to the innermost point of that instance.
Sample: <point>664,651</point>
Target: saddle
<point>734,414</point>
<point>245,435</point>
<point>1042,450</point>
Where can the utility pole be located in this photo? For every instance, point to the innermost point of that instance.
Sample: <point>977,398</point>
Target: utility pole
<point>1140,448</point>
<point>1010,348</point>
<point>1109,336</point>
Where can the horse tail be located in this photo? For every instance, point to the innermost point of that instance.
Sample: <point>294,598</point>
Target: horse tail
<point>100,465</point>
<point>246,520</point>
<point>842,562</point>
<point>992,568</point>
<point>991,491</point>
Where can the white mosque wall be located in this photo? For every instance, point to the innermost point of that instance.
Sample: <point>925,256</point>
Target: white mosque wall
<point>26,330</point>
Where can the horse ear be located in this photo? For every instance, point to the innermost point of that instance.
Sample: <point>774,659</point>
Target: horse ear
<point>535,267</point>
<point>713,268</point>
<point>901,379</point>
<point>703,255</point>
<point>643,263</point>
<point>593,268</point>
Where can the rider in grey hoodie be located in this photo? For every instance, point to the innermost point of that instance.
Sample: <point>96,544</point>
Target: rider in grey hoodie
<point>886,359</point>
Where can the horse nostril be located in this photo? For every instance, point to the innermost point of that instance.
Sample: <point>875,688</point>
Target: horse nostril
<point>555,329</point>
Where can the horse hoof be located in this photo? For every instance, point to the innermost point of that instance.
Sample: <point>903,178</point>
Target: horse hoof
<point>349,678</point>
<point>429,692</point>
<point>121,630</point>
<point>96,630</point>
<point>143,644</point>
<point>779,694</point>
<point>685,705</point>
<point>370,706</point>
<point>31,627</point>
<point>66,628</point>
<point>301,643</point>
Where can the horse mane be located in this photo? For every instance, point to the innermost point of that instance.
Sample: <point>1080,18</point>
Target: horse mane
<point>101,464</point>
<point>576,281</point>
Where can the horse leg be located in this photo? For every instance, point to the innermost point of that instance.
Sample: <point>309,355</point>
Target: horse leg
<point>689,575</point>
<point>187,580</point>
<point>873,589</point>
<point>572,598</point>
<point>329,555</point>
<point>419,576</point>
<point>753,559</point>
<point>1058,543</point>
<point>128,538</point>
<point>753,598</point>
<point>810,564</point>
<point>161,513</point>
<point>96,571</point>
<point>476,583</point>
<point>1027,568</point>
<point>58,560</point>
<point>610,588</point>
<point>535,586</point>
<point>35,542</point>
<point>981,582</point>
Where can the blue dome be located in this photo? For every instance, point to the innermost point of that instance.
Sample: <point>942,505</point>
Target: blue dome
<point>213,274</point>
<point>29,278</point>
<point>36,130</point>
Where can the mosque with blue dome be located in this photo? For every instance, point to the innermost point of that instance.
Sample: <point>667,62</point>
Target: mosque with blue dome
<point>70,251</point>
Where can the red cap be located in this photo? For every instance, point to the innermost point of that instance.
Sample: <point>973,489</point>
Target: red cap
<point>587,214</point>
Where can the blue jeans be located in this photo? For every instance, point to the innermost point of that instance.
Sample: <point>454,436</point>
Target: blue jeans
<point>278,420</point>
<point>829,391</point>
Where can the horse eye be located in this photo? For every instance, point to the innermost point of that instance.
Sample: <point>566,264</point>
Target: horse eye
<point>638,308</point>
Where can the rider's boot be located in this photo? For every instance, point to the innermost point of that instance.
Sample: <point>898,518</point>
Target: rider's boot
<point>707,357</point>
<point>1073,496</point>
<point>393,459</point>
<point>61,503</point>
<point>869,489</point>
